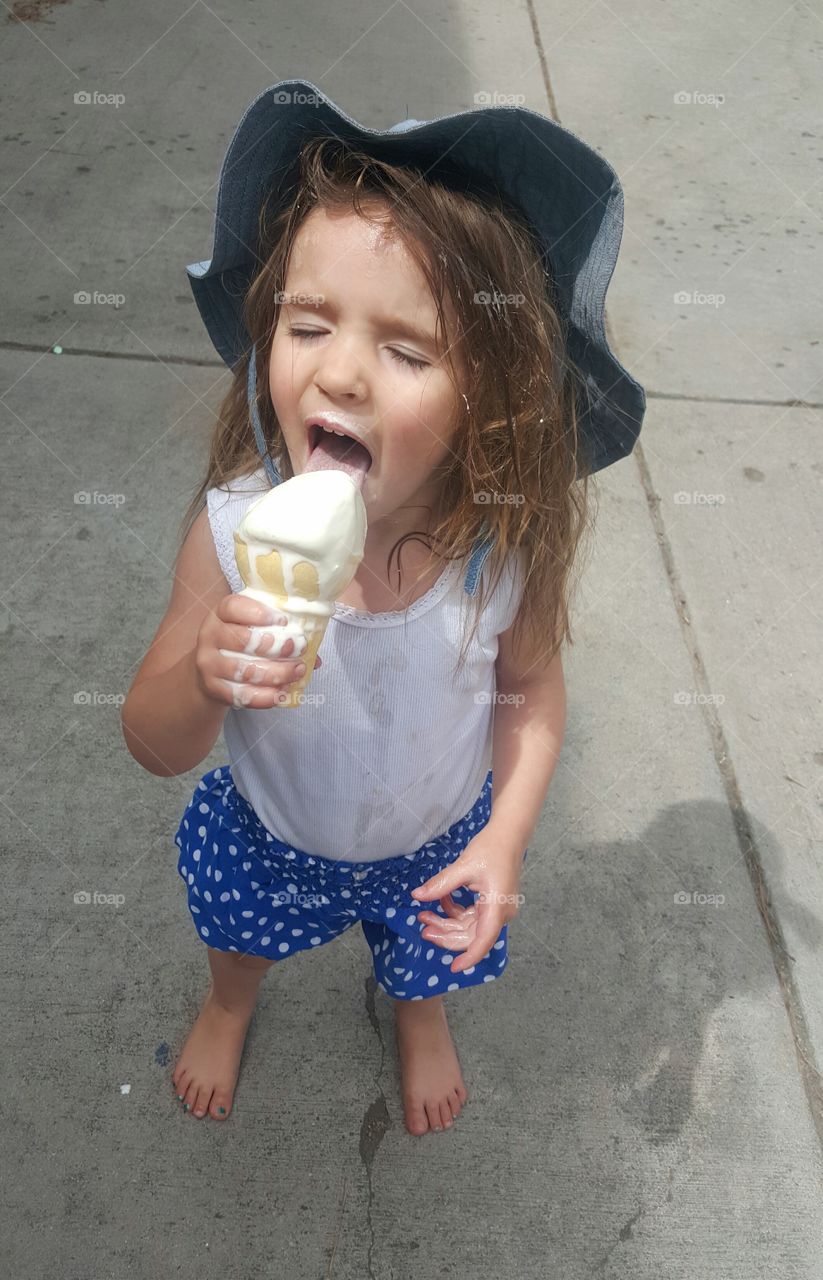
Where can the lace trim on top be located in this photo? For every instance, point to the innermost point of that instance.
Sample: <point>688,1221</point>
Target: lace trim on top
<point>397,617</point>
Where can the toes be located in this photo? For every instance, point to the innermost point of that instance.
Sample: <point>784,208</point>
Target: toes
<point>220,1106</point>
<point>201,1102</point>
<point>446,1114</point>
<point>433,1112</point>
<point>189,1097</point>
<point>179,1079</point>
<point>455,1104</point>
<point>417,1122</point>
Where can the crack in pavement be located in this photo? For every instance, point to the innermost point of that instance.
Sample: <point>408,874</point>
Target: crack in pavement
<point>376,1120</point>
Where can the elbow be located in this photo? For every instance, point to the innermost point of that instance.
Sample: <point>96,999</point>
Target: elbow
<point>142,752</point>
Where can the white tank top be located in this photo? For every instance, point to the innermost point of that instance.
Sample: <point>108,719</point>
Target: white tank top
<point>399,747</point>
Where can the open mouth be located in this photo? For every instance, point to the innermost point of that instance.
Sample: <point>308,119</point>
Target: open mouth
<point>328,450</point>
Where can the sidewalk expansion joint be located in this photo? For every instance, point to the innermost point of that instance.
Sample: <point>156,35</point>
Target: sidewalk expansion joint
<point>750,852</point>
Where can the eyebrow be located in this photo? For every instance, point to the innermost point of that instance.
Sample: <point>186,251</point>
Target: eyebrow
<point>307,299</point>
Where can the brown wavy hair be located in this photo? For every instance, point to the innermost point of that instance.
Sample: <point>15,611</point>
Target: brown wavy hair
<point>518,469</point>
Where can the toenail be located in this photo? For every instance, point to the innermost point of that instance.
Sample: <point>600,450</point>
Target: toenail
<point>438,1128</point>
<point>179,1097</point>
<point>222,1110</point>
<point>200,1113</point>
<point>185,1106</point>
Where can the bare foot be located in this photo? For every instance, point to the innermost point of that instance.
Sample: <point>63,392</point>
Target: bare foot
<point>206,1071</point>
<point>432,1082</point>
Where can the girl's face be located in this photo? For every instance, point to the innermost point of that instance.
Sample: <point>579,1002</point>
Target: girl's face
<point>357,339</point>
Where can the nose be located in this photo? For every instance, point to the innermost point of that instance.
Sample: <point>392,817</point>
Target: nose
<point>339,371</point>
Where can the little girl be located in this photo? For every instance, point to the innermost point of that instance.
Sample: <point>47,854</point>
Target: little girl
<point>433,292</point>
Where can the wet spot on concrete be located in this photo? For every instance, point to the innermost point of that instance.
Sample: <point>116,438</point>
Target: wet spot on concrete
<point>752,473</point>
<point>162,1055</point>
<point>32,10</point>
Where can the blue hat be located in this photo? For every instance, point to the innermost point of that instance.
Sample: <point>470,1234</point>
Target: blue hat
<point>568,195</point>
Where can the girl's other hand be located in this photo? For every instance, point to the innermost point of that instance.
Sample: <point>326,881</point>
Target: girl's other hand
<point>246,654</point>
<point>492,871</point>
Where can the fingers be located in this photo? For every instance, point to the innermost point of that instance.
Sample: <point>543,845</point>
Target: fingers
<point>487,933</point>
<point>453,924</point>
<point>239,669</point>
<point>249,612</point>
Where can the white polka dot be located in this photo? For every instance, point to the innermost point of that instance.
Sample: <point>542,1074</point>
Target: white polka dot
<point>471,969</point>
<point>194,908</point>
<point>430,953</point>
<point>224,897</point>
<point>204,931</point>
<point>218,875</point>
<point>297,933</point>
<point>315,941</point>
<point>196,855</point>
<point>247,915</point>
<point>433,980</point>
<point>446,959</point>
<point>263,920</point>
<point>207,895</point>
<point>284,946</point>
<point>411,919</point>
<point>499,944</point>
<point>246,934</point>
<point>390,911</point>
<point>264,942</point>
<point>453,986</point>
<point>489,977</point>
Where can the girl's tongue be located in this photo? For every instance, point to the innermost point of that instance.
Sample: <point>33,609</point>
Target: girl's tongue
<point>342,454</point>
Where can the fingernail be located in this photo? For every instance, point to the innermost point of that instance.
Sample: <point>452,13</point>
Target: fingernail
<point>300,669</point>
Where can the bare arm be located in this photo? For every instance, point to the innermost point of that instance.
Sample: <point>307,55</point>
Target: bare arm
<point>178,699</point>
<point>529,725</point>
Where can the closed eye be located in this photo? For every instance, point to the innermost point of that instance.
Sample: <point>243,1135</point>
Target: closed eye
<point>308,334</point>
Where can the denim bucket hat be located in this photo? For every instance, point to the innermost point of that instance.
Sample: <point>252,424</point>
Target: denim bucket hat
<point>569,196</point>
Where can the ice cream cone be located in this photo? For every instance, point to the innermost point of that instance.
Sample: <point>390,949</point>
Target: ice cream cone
<point>297,550</point>
<point>311,622</point>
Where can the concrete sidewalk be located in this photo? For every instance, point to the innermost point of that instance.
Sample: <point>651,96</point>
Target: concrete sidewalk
<point>644,1091</point>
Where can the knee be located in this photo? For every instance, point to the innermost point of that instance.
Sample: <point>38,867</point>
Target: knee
<point>255,963</point>
<point>239,960</point>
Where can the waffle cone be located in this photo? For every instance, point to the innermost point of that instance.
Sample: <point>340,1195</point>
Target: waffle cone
<point>297,688</point>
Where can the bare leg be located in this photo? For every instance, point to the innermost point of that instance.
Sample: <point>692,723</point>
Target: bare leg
<point>433,1087</point>
<point>206,1071</point>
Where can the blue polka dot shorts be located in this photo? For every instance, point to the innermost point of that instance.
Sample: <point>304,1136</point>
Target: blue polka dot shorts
<point>248,892</point>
